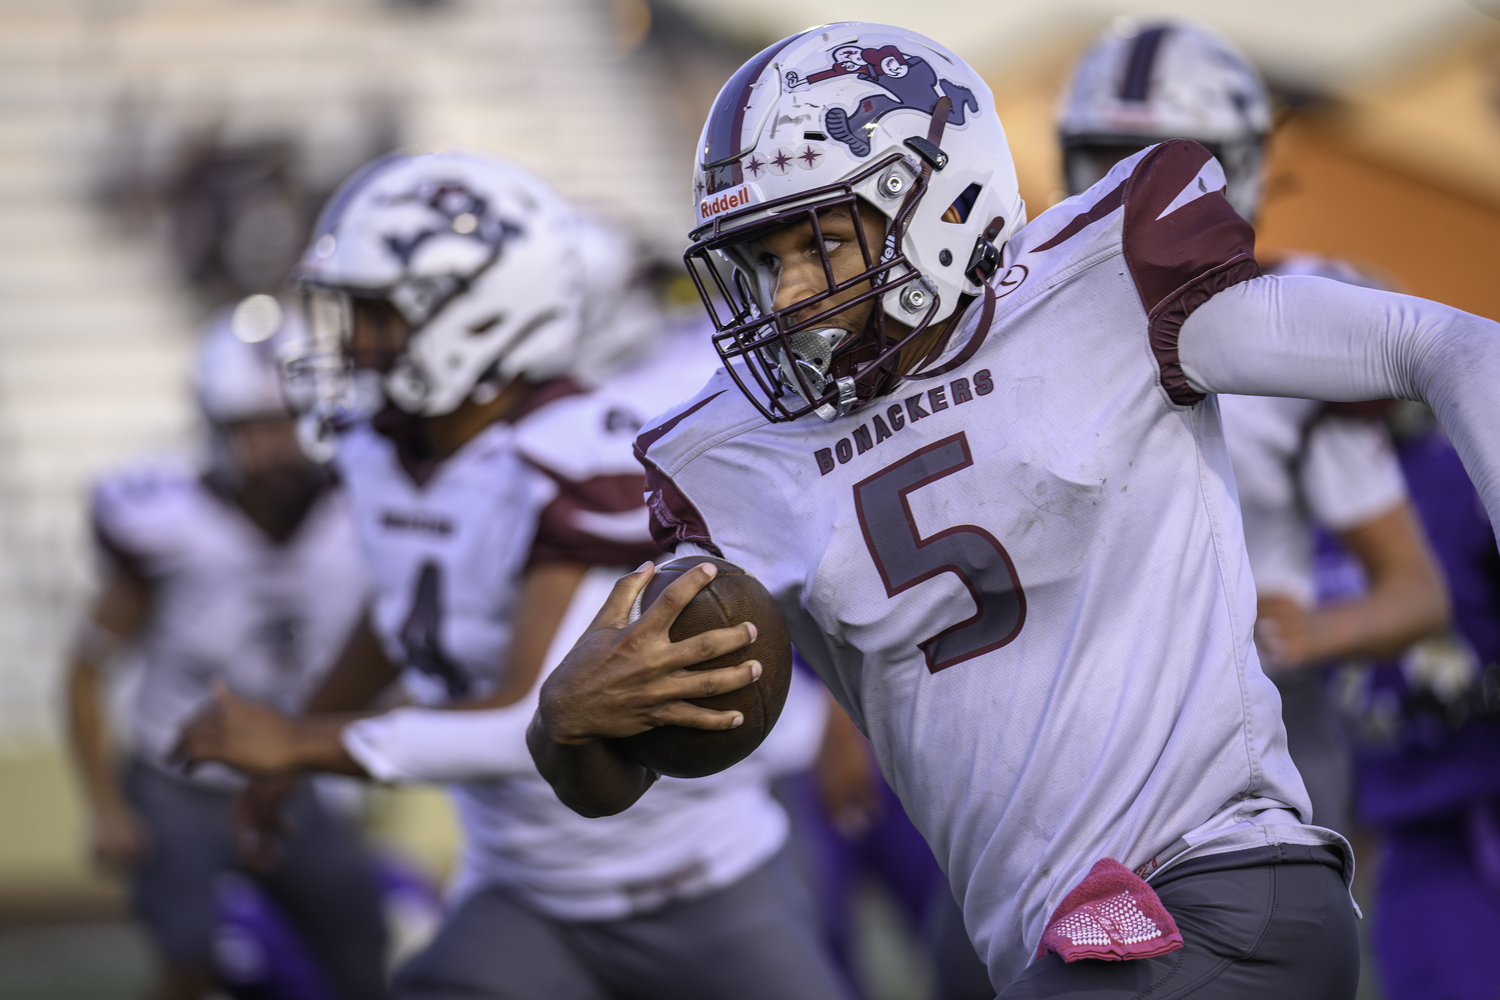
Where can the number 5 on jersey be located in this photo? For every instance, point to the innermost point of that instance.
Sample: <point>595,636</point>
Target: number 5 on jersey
<point>906,559</point>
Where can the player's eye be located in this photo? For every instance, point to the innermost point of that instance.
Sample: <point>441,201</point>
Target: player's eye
<point>770,262</point>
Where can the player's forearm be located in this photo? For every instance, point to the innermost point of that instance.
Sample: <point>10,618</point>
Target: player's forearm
<point>358,678</point>
<point>318,745</point>
<point>590,778</point>
<point>1407,597</point>
<point>1381,624</point>
<point>1319,339</point>
<point>89,736</point>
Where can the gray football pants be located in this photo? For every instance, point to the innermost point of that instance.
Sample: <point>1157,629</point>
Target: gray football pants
<point>324,883</point>
<point>753,940</point>
<point>1280,929</point>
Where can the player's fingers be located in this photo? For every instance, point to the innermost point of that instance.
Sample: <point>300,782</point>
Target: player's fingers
<point>616,610</point>
<point>198,737</point>
<point>681,713</point>
<point>663,611</point>
<point>707,646</point>
<point>707,683</point>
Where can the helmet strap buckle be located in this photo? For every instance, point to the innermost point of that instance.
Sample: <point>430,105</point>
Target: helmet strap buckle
<point>983,262</point>
<point>847,398</point>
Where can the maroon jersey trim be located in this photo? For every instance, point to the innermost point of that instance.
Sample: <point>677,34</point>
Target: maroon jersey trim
<point>655,434</point>
<point>674,519</point>
<point>1101,209</point>
<point>1181,260</point>
<point>559,537</point>
<point>544,393</point>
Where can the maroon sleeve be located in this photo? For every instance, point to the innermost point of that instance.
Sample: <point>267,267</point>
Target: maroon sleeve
<point>562,535</point>
<point>674,519</point>
<point>1180,260</point>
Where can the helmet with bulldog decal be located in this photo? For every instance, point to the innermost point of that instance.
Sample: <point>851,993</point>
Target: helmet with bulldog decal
<point>888,127</point>
<point>478,256</point>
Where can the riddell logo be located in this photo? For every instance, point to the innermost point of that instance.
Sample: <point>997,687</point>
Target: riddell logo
<point>724,201</point>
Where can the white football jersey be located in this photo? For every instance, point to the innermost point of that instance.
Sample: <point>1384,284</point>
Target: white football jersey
<point>1026,580</point>
<point>445,555</point>
<point>561,483</point>
<point>1297,462</point>
<point>227,601</point>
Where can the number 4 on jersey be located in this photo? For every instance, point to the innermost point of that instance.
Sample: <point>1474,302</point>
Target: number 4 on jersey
<point>905,559</point>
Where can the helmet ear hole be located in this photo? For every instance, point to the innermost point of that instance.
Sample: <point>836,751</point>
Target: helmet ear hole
<point>958,212</point>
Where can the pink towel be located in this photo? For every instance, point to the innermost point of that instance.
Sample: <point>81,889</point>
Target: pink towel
<point>1111,915</point>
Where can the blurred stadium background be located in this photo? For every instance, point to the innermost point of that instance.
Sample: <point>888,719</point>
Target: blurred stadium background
<point>161,158</point>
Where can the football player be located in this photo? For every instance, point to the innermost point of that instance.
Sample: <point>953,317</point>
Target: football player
<point>498,501</point>
<point>246,575</point>
<point>1294,460</point>
<point>1427,747</point>
<point>979,465</point>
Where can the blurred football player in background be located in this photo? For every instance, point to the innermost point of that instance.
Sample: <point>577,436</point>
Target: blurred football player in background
<point>497,500</point>
<point>1010,543</point>
<point>1296,462</point>
<point>854,831</point>
<point>1427,744</point>
<point>247,576</point>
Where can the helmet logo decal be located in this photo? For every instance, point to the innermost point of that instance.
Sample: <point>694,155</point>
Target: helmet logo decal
<point>455,212</point>
<point>909,83</point>
<point>724,201</point>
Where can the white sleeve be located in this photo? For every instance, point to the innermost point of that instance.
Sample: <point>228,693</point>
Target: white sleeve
<point>1350,475</point>
<point>441,745</point>
<point>1318,339</point>
<point>685,549</point>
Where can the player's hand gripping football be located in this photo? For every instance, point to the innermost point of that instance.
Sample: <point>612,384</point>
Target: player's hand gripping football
<point>621,679</point>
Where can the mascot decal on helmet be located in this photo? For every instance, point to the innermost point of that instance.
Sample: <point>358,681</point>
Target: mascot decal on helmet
<point>451,211</point>
<point>911,79</point>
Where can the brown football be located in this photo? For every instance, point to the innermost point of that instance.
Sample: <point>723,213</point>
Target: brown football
<point>731,598</point>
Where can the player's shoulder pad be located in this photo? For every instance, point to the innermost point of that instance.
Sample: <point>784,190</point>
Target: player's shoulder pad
<point>1089,223</point>
<point>718,413</point>
<point>1164,209</point>
<point>582,436</point>
<point>139,509</point>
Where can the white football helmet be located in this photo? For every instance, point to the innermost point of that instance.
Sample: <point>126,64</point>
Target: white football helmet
<point>620,315</point>
<point>478,255</point>
<point>1141,83</point>
<point>237,374</point>
<point>864,116</point>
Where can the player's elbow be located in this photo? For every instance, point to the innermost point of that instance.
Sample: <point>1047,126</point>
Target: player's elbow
<point>1449,348</point>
